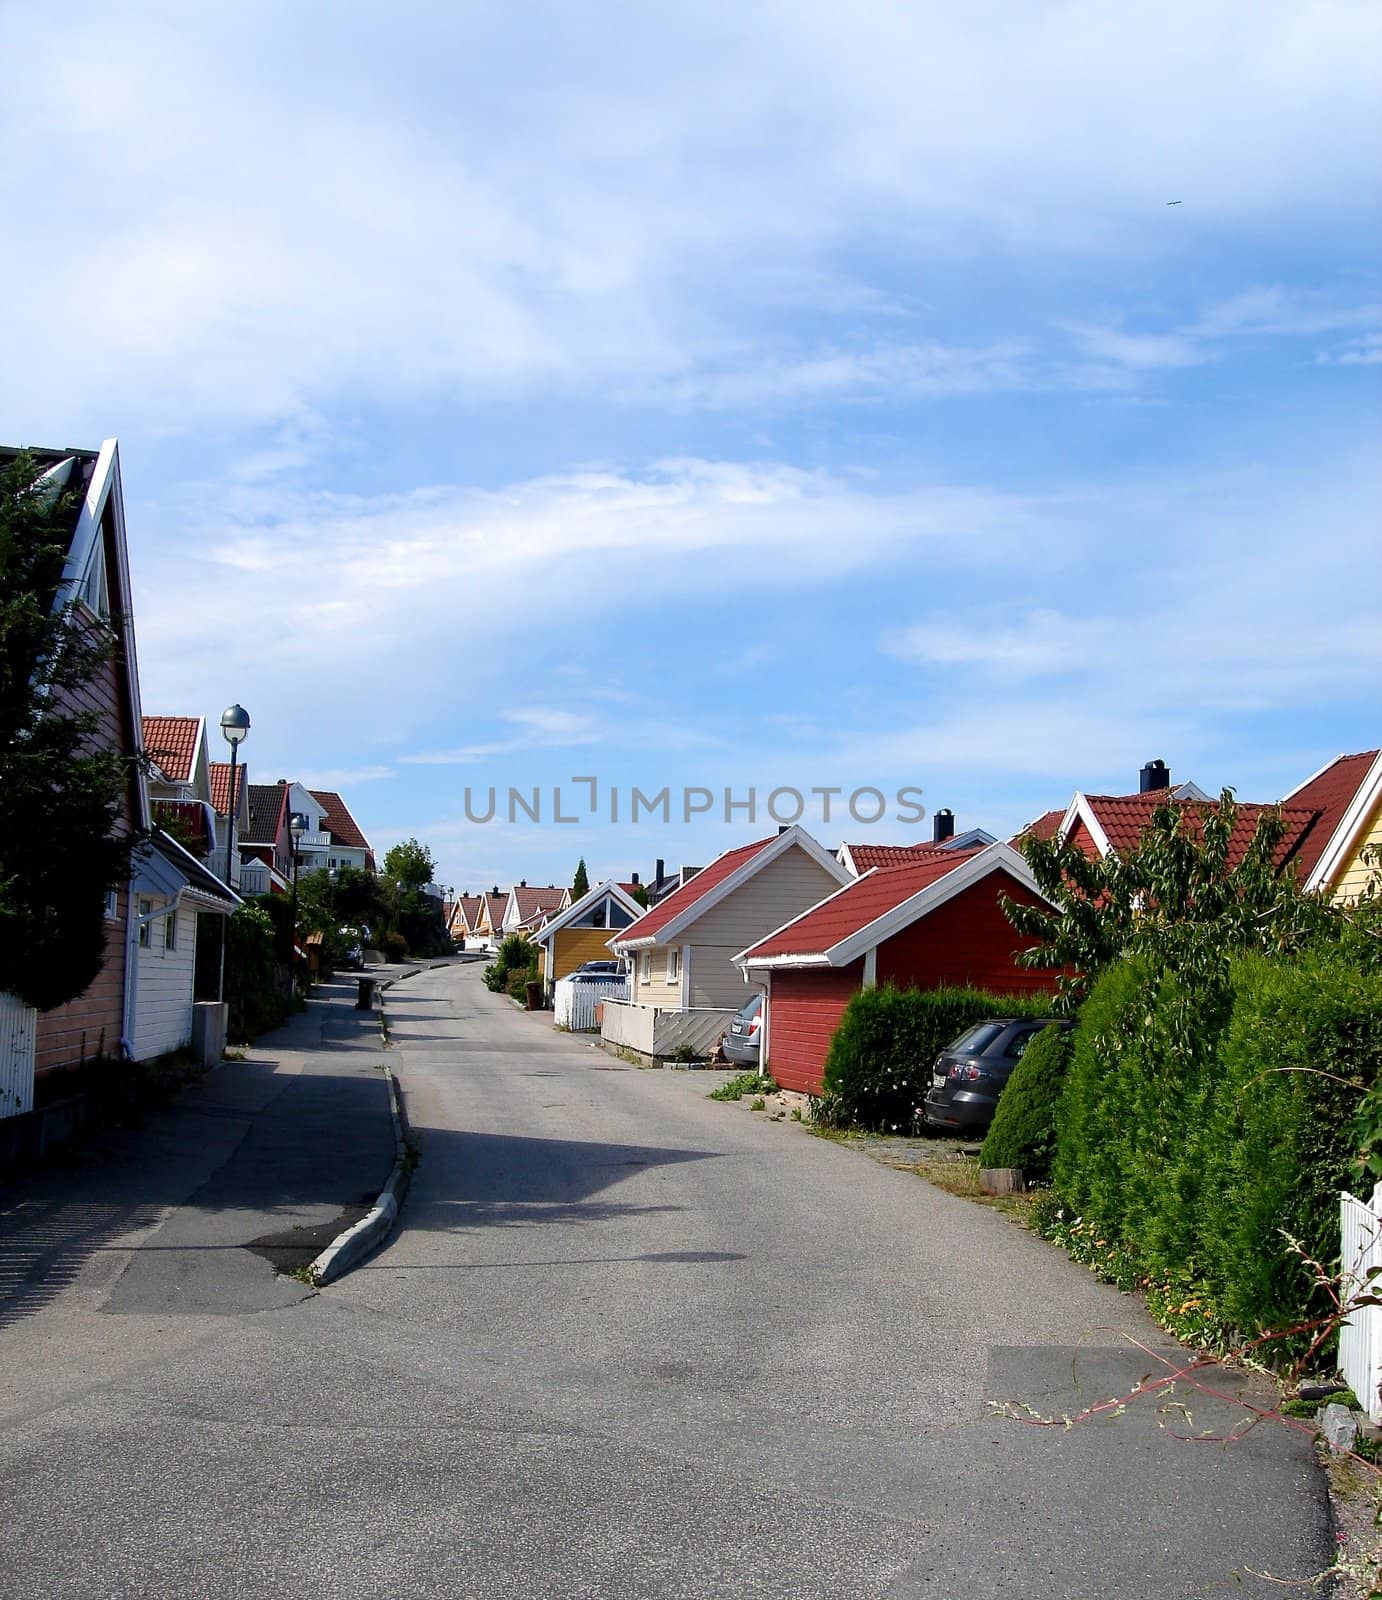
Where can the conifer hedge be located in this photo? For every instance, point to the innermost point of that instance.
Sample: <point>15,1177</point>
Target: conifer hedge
<point>1023,1133</point>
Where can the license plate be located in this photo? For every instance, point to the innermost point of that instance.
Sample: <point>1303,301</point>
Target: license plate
<point>938,1080</point>
<point>737,1027</point>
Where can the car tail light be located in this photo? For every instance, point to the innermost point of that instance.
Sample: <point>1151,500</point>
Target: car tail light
<point>753,1024</point>
<point>966,1072</point>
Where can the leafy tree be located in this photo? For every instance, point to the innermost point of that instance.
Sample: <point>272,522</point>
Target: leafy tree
<point>61,794</point>
<point>1173,898</point>
<point>580,884</point>
<point>410,865</point>
<point>639,893</point>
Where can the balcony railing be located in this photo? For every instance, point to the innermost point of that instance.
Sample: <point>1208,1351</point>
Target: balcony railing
<point>312,841</point>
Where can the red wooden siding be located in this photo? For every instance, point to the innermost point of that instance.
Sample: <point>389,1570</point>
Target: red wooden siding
<point>806,1005</point>
<point>968,940</point>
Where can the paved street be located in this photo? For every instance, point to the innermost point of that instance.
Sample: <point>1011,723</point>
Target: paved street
<point>627,1342</point>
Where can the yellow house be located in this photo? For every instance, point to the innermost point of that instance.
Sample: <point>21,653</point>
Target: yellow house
<point>1347,794</point>
<point>581,932</point>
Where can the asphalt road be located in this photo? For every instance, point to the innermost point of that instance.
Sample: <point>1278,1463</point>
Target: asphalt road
<point>627,1342</point>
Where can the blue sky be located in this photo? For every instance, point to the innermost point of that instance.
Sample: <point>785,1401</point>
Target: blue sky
<point>776,395</point>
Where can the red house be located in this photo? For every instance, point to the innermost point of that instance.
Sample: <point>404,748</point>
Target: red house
<point>937,921</point>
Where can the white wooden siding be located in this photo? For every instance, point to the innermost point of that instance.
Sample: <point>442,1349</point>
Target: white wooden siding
<point>163,990</point>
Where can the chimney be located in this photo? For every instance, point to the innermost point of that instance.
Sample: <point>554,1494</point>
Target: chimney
<point>1154,775</point>
<point>658,875</point>
<point>633,879</point>
<point>943,825</point>
<point>495,889</point>
<point>783,827</point>
<point>522,883</point>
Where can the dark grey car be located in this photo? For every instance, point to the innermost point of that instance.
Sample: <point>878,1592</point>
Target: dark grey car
<point>969,1074</point>
<point>741,1039</point>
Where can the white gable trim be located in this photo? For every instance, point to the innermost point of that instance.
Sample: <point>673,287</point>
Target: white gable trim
<point>795,836</point>
<point>997,857</point>
<point>1351,825</point>
<point>817,958</point>
<point>591,897</point>
<point>1080,810</point>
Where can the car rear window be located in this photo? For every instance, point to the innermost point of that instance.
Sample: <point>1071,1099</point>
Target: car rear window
<point>752,1009</point>
<point>978,1038</point>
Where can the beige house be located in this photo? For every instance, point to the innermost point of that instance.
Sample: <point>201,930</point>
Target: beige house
<point>685,987</point>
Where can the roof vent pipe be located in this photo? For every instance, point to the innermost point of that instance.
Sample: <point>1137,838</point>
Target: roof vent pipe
<point>1154,775</point>
<point>943,825</point>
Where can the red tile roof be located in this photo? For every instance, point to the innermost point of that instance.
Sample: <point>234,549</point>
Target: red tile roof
<point>495,904</point>
<point>171,742</point>
<point>657,917</point>
<point>337,820</point>
<point>1044,827</point>
<point>1331,793</point>
<point>220,785</point>
<point>532,902</point>
<point>857,905</point>
<point>1124,819</point>
<point>865,856</point>
<point>469,905</point>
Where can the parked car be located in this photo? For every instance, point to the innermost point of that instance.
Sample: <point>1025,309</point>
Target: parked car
<point>742,1038</point>
<point>969,1074</point>
<point>599,969</point>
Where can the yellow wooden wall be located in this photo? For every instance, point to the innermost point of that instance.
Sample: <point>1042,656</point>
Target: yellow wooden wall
<point>575,945</point>
<point>1355,874</point>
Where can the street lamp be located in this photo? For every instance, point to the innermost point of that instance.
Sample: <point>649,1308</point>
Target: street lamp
<point>235,727</point>
<point>297,826</point>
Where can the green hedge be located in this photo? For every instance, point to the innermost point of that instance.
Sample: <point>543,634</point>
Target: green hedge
<point>878,1068</point>
<point>1023,1133</point>
<point>1192,1135</point>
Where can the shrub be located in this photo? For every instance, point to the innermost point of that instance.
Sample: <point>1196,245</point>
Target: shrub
<point>878,1068</point>
<point>515,964</point>
<point>393,947</point>
<point>1023,1133</point>
<point>256,983</point>
<point>1275,1147</point>
<point>1196,1132</point>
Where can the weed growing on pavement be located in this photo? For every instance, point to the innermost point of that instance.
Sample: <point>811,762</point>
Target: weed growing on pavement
<point>758,1104</point>
<point>745,1083</point>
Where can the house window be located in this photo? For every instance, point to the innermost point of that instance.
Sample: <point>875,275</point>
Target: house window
<point>112,905</point>
<point>645,970</point>
<point>170,931</point>
<point>673,966</point>
<point>146,927</point>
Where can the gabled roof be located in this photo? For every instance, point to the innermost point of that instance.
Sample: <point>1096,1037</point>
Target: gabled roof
<point>859,917</point>
<point>558,920</point>
<point>337,820</point>
<point>220,785</point>
<point>861,858</point>
<point>530,901</point>
<point>264,814</point>
<point>171,743</point>
<point>468,905</point>
<point>494,907</point>
<point>711,884</point>
<point>1117,822</point>
<point>1345,793</point>
<point>1046,826</point>
<point>164,864</point>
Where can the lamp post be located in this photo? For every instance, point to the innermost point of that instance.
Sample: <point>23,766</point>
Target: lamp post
<point>235,727</point>
<point>297,826</point>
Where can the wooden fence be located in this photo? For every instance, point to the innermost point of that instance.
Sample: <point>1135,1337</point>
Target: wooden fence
<point>18,1036</point>
<point>573,1003</point>
<point>1360,1337</point>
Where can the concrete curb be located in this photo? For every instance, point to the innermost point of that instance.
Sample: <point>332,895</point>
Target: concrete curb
<point>348,1249</point>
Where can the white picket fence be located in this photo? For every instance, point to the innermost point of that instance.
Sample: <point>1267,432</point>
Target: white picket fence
<point>18,1036</point>
<point>574,1004</point>
<point>1360,1337</point>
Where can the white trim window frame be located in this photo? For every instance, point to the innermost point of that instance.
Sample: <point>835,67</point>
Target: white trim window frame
<point>645,967</point>
<point>146,923</point>
<point>673,965</point>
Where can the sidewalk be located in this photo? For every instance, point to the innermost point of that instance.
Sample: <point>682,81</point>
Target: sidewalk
<point>248,1174</point>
